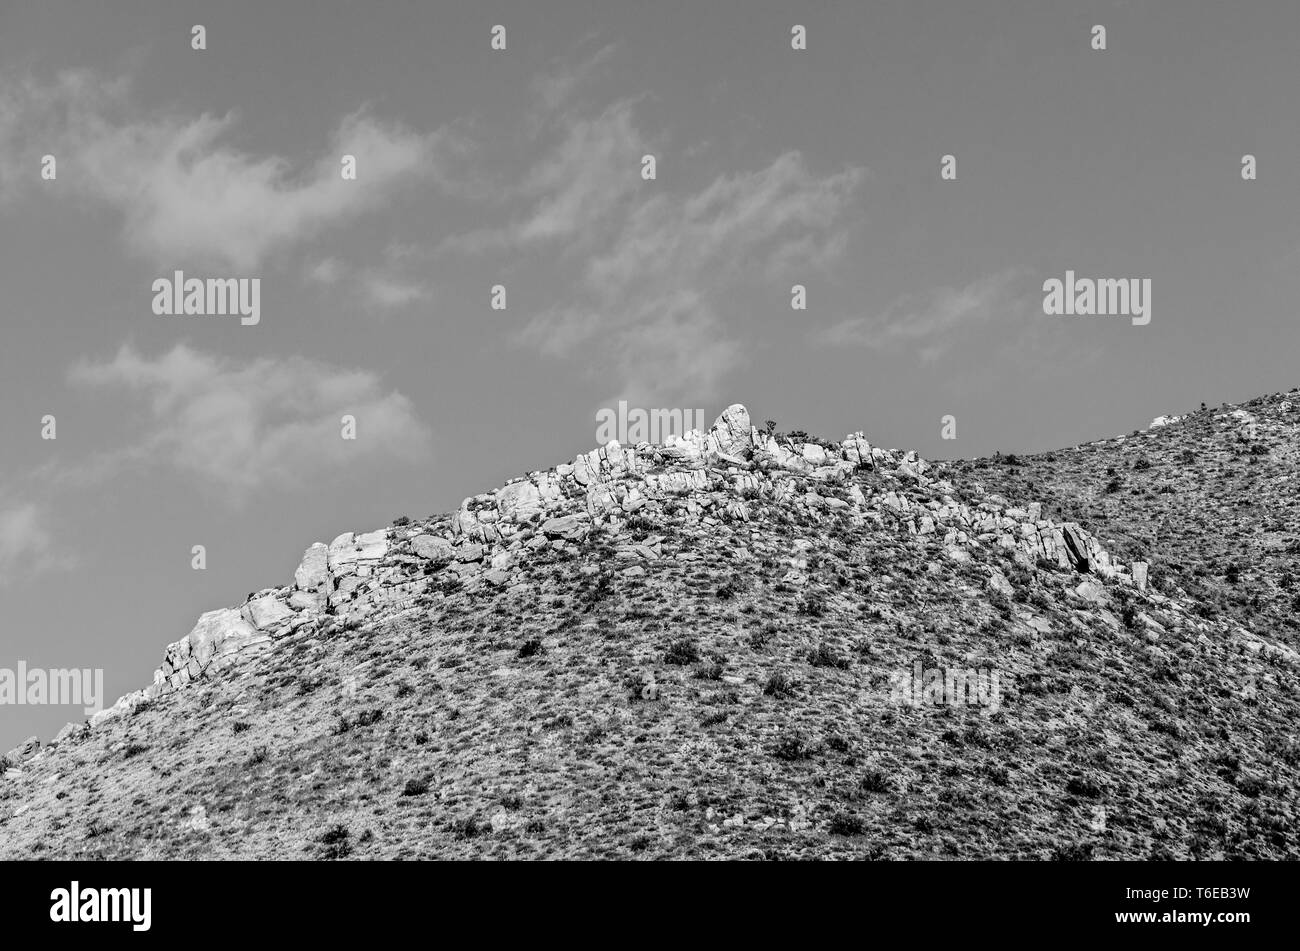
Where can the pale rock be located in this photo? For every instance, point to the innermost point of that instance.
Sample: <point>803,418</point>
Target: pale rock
<point>1091,591</point>
<point>433,548</point>
<point>566,526</point>
<point>266,612</point>
<point>519,501</point>
<point>998,582</point>
<point>731,433</point>
<point>313,571</point>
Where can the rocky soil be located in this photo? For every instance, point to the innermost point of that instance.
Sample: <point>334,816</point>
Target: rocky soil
<point>696,650</point>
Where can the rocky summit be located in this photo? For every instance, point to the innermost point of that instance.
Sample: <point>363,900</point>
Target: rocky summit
<point>741,643</point>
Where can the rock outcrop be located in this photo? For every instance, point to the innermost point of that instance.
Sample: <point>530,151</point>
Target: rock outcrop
<point>725,474</point>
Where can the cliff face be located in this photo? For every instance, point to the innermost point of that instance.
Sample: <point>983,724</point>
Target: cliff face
<point>734,643</point>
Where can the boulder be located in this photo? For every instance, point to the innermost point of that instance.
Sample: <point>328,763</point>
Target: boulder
<point>433,548</point>
<point>998,582</point>
<point>313,572</point>
<point>731,433</point>
<point>519,501</point>
<point>266,612</point>
<point>24,750</point>
<point>217,632</point>
<point>566,526</point>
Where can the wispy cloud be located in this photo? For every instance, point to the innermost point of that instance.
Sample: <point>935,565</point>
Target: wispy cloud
<point>266,422</point>
<point>654,265</point>
<point>655,302</point>
<point>934,320</point>
<point>185,194</point>
<point>25,539</point>
<point>375,288</point>
<point>556,87</point>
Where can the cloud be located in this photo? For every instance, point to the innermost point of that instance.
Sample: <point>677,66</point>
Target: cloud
<point>572,193</point>
<point>25,539</point>
<point>556,87</point>
<point>267,422</point>
<point>932,321</point>
<point>189,197</point>
<point>384,291</point>
<point>655,293</point>
<point>376,288</point>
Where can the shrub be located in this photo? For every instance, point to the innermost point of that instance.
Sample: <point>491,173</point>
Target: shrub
<point>335,844</point>
<point>813,605</point>
<point>415,787</point>
<point>846,823</point>
<point>791,747</point>
<point>1082,786</point>
<point>682,652</point>
<point>875,781</point>
<point>778,685</point>
<point>531,647</point>
<point>824,656</point>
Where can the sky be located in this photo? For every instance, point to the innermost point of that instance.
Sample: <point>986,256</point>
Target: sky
<point>522,167</point>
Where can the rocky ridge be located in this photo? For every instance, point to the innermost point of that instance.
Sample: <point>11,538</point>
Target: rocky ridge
<point>722,474</point>
<point>693,649</point>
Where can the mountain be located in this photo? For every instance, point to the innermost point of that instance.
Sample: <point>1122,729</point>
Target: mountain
<point>742,644</point>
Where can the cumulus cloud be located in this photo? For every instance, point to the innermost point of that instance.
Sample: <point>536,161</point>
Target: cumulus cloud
<point>933,321</point>
<point>188,196</point>
<point>266,422</point>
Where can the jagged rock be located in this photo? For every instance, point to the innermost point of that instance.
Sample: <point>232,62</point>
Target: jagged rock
<point>1140,575</point>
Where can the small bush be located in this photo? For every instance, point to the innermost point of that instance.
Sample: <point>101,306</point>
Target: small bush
<point>824,656</point>
<point>846,823</point>
<point>682,652</point>
<point>415,787</point>
<point>778,685</point>
<point>875,781</point>
<point>791,747</point>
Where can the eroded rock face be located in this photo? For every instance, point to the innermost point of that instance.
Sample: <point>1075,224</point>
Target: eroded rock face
<point>731,473</point>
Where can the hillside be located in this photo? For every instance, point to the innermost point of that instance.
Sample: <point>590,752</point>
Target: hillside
<point>711,649</point>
